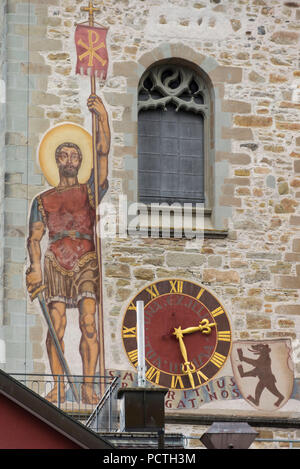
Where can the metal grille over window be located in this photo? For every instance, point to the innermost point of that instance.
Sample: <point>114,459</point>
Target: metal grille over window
<point>173,105</point>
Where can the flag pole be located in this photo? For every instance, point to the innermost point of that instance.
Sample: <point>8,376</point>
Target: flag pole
<point>91,9</point>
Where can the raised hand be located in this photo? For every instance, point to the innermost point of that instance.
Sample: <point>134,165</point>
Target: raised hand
<point>96,106</point>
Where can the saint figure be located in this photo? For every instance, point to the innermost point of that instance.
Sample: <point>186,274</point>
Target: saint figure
<point>70,271</point>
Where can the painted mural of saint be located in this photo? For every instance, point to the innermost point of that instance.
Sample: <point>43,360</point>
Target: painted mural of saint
<point>70,271</point>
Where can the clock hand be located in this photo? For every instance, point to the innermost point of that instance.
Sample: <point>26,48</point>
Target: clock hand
<point>204,327</point>
<point>187,367</point>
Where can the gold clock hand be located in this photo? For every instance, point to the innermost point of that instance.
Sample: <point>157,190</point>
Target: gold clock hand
<point>204,327</point>
<point>187,367</point>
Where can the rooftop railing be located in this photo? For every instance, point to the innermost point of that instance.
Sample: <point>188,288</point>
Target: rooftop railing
<point>57,390</point>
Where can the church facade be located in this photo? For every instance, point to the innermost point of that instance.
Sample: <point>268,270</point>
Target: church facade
<point>197,215</point>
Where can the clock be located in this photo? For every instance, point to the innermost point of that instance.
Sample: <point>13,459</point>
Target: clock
<point>187,334</point>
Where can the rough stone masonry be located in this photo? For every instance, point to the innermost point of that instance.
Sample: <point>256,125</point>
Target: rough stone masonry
<point>250,51</point>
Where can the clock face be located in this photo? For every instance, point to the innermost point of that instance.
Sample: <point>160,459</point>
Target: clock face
<point>187,334</point>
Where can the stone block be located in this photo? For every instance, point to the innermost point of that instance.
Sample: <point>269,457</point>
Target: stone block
<point>258,276</point>
<point>142,273</point>
<point>117,270</point>
<point>118,99</point>
<point>243,191</point>
<point>289,105</point>
<point>227,74</point>
<point>234,158</point>
<point>287,282</point>
<point>126,69</point>
<point>38,126</point>
<point>124,126</point>
<point>253,121</point>
<point>274,148</point>
<point>297,166</point>
<point>40,98</point>
<point>256,77</point>
<point>249,303</point>
<point>18,255</point>
<point>16,306</point>
<point>15,42</point>
<point>230,201</point>
<point>186,52</point>
<point>294,220</point>
<point>238,133</point>
<point>35,69</point>
<point>291,126</point>
<point>238,181</point>
<point>178,259</point>
<point>272,256</point>
<point>242,172</point>
<point>286,206</point>
<point>17,96</point>
<point>275,78</point>
<point>295,183</point>
<point>215,261</point>
<point>292,257</point>
<point>38,44</point>
<point>283,188</point>
<point>224,276</point>
<point>285,37</point>
<point>15,205</point>
<point>235,24</point>
<point>236,106</point>
<point>288,309</point>
<point>296,245</point>
<point>21,18</point>
<point>258,321</point>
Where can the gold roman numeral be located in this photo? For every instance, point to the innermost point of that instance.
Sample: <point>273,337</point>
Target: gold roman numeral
<point>224,335</point>
<point>217,311</point>
<point>176,286</point>
<point>128,332</point>
<point>153,291</point>
<point>176,379</point>
<point>201,291</point>
<point>201,375</point>
<point>133,356</point>
<point>132,307</point>
<point>218,359</point>
<point>152,373</point>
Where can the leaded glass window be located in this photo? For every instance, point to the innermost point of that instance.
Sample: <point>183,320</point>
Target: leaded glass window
<point>173,107</point>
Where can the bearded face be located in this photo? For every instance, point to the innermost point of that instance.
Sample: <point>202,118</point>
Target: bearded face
<point>68,162</point>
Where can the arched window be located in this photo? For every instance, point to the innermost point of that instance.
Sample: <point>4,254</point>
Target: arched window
<point>173,106</point>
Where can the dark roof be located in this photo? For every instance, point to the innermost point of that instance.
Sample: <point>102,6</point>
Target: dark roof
<point>50,414</point>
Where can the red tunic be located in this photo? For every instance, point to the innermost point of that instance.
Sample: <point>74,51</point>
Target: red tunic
<point>70,218</point>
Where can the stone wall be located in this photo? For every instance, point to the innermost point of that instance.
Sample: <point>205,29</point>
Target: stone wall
<point>249,50</point>
<point>2,147</point>
<point>281,439</point>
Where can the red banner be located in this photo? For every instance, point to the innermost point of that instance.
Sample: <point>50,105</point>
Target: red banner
<point>92,55</point>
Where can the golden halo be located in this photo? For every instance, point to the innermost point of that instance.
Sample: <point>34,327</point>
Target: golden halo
<point>56,136</point>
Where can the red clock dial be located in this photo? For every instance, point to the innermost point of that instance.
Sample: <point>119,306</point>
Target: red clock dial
<point>187,334</point>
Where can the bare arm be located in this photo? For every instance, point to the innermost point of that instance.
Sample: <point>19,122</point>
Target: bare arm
<point>96,106</point>
<point>34,276</point>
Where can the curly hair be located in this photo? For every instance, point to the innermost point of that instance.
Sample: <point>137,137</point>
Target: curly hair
<point>68,145</point>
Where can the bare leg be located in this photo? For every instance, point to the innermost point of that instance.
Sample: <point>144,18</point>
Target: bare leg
<point>89,348</point>
<point>57,312</point>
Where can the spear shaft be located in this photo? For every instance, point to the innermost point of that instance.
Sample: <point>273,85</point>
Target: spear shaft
<point>90,9</point>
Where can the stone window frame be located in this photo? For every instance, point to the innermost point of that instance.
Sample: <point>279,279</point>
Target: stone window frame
<point>221,155</point>
<point>199,103</point>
